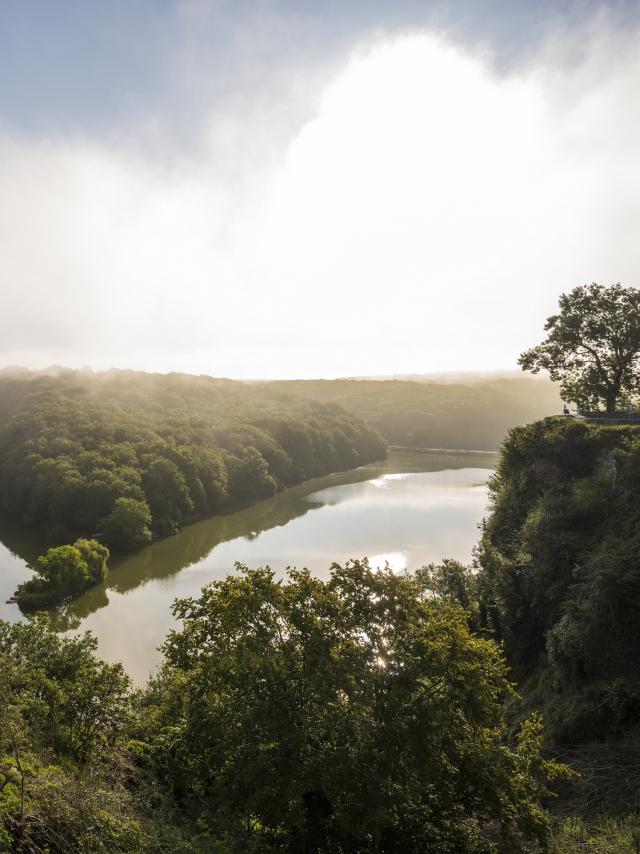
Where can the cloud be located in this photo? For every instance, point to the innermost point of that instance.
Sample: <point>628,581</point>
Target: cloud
<point>424,215</point>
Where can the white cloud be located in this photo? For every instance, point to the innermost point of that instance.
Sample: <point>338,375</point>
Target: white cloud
<point>425,218</point>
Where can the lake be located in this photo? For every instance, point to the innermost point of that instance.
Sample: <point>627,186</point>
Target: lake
<point>415,507</point>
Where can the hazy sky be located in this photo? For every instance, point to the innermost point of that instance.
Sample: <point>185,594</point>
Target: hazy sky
<point>262,189</point>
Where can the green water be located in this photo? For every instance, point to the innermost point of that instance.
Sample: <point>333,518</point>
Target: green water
<point>411,509</point>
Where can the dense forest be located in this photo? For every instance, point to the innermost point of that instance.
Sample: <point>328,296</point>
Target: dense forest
<point>463,413</point>
<point>129,455</point>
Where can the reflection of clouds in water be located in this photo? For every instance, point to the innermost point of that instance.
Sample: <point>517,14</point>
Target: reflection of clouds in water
<point>426,489</point>
<point>397,561</point>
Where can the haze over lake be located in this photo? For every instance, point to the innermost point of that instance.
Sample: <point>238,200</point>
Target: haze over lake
<point>409,510</point>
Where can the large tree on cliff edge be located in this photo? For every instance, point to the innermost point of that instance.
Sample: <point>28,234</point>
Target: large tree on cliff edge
<point>592,347</point>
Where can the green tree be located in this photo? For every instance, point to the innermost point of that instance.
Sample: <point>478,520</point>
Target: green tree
<point>356,714</point>
<point>63,568</point>
<point>96,556</point>
<point>63,573</point>
<point>249,477</point>
<point>592,347</point>
<point>128,526</point>
<point>167,494</point>
<point>453,582</point>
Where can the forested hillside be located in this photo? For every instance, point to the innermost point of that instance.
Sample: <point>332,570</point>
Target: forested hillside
<point>132,455</point>
<point>463,414</point>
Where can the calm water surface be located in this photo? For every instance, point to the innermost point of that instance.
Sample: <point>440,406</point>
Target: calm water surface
<point>413,508</point>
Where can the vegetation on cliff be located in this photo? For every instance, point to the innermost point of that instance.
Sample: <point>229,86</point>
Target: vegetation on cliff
<point>558,584</point>
<point>560,577</point>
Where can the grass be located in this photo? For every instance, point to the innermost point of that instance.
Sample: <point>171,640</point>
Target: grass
<point>605,835</point>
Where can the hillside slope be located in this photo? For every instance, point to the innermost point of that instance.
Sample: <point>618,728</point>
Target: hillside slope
<point>463,415</point>
<point>158,451</point>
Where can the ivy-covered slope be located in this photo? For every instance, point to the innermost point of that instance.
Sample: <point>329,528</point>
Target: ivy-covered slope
<point>560,573</point>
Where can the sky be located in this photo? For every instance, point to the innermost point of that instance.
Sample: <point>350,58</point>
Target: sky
<point>310,189</point>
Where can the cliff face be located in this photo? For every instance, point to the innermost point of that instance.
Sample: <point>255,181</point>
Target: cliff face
<point>559,574</point>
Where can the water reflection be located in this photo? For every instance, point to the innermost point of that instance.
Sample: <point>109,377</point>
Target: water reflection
<point>411,509</point>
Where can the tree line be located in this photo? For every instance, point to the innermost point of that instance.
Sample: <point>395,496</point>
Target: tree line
<point>128,456</point>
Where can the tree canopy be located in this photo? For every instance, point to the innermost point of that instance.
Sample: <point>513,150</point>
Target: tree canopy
<point>62,573</point>
<point>70,781</point>
<point>592,346</point>
<point>354,714</point>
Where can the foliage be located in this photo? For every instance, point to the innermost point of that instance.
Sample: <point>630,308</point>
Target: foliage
<point>128,526</point>
<point>70,780</point>
<point>62,712</point>
<point>593,346</point>
<point>96,556</point>
<point>354,714</point>
<point>560,574</point>
<point>74,701</point>
<point>452,582</point>
<point>62,573</point>
<point>86,453</point>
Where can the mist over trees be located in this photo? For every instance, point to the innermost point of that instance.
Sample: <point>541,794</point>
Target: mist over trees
<point>133,455</point>
<point>463,413</point>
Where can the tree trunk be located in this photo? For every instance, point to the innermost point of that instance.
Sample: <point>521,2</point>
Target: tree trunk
<point>612,398</point>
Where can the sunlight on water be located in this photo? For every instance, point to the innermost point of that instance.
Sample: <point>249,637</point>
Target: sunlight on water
<point>397,561</point>
<point>386,479</point>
